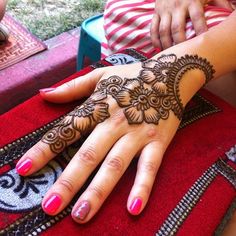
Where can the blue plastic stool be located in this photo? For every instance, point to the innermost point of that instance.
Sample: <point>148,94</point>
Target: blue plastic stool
<point>91,36</point>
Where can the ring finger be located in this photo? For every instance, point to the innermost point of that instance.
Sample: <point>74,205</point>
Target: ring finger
<point>107,177</point>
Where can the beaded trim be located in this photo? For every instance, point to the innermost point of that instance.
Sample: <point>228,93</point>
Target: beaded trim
<point>190,199</point>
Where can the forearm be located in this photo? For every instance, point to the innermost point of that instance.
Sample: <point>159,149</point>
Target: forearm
<point>217,46</point>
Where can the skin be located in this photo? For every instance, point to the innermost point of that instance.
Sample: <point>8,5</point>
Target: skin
<point>169,20</point>
<point>3,4</point>
<point>147,140</point>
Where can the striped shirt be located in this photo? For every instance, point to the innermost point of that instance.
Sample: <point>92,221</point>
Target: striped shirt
<point>127,25</point>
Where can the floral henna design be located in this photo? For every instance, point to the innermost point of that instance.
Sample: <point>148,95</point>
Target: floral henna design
<point>89,114</point>
<point>81,120</point>
<point>164,75</point>
<point>155,92</point>
<point>148,98</point>
<point>140,102</point>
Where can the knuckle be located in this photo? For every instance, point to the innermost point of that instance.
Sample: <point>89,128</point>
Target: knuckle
<point>176,28</point>
<point>88,156</point>
<point>163,31</point>
<point>118,118</point>
<point>178,3</point>
<point>39,150</point>
<point>66,184</point>
<point>197,15</point>
<point>71,84</point>
<point>149,167</point>
<point>151,132</point>
<point>116,163</point>
<point>98,191</point>
<point>193,2</point>
<point>146,189</point>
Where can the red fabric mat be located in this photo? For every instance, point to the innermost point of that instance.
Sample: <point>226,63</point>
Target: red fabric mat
<point>193,150</point>
<point>20,45</point>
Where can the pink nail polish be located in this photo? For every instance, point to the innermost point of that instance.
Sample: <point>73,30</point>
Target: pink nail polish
<point>23,167</point>
<point>82,210</point>
<point>52,204</point>
<point>46,90</point>
<point>136,206</point>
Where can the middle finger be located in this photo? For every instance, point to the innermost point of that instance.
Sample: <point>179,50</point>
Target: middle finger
<point>165,31</point>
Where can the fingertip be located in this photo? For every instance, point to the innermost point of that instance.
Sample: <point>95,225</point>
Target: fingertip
<point>23,167</point>
<point>56,95</point>
<point>81,211</point>
<point>52,204</point>
<point>135,206</point>
<point>47,93</point>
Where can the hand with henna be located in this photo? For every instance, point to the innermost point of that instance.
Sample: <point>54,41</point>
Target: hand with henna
<point>169,19</point>
<point>132,110</point>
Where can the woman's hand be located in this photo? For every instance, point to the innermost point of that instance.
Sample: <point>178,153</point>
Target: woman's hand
<point>169,20</point>
<point>133,110</point>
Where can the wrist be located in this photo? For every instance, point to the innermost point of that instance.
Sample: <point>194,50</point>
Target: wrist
<point>191,82</point>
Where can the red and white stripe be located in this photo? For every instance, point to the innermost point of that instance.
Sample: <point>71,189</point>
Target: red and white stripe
<point>127,24</point>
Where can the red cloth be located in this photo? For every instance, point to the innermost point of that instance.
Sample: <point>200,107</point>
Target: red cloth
<point>193,150</point>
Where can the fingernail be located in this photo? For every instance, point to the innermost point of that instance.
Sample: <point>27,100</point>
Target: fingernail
<point>52,204</point>
<point>136,205</point>
<point>82,210</point>
<point>23,167</point>
<point>46,90</point>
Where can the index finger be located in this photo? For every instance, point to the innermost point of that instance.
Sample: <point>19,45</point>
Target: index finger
<point>52,143</point>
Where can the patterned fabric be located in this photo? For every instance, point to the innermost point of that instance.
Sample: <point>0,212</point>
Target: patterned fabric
<point>127,25</point>
<point>20,45</point>
<point>207,131</point>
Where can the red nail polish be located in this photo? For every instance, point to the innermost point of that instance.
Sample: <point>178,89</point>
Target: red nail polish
<point>82,210</point>
<point>46,90</point>
<point>52,204</point>
<point>23,167</point>
<point>136,206</point>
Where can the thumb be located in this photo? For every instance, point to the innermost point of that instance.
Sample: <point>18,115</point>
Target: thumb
<point>224,4</point>
<point>73,90</point>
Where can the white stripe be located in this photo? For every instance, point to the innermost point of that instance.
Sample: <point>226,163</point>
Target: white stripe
<point>133,27</point>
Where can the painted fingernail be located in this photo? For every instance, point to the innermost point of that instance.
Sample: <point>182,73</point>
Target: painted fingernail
<point>46,90</point>
<point>23,167</point>
<point>52,204</point>
<point>136,205</point>
<point>82,210</point>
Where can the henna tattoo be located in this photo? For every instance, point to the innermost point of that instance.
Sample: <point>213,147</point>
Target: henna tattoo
<point>147,98</point>
<point>59,136</point>
<point>164,75</point>
<point>89,114</point>
<point>155,92</point>
<point>81,120</point>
